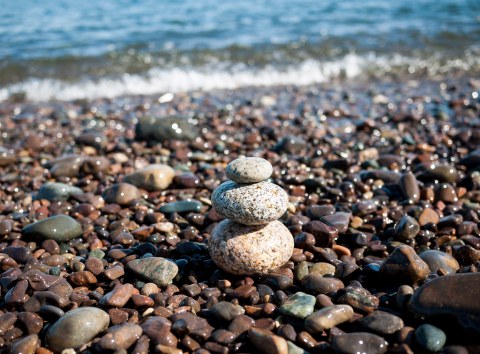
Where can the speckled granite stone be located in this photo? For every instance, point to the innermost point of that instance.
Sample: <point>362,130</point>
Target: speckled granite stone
<point>248,249</point>
<point>249,170</point>
<point>253,204</point>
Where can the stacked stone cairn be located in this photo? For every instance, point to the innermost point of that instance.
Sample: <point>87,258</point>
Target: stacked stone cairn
<point>251,240</point>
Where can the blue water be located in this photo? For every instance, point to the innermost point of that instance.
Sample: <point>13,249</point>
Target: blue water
<point>133,46</point>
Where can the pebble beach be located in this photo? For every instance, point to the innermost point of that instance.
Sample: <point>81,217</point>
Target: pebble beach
<point>106,214</point>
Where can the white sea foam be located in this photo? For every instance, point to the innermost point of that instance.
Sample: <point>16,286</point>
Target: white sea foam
<point>230,77</point>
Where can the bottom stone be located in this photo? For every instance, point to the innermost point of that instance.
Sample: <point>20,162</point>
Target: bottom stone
<point>250,249</point>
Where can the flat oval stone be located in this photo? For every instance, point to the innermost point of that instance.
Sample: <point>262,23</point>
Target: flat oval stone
<point>6,157</point>
<point>317,284</point>
<point>157,270</point>
<point>226,311</point>
<point>121,194</point>
<point>440,261</point>
<point>161,129</point>
<point>55,192</point>
<point>328,317</point>
<point>430,338</point>
<point>60,228</point>
<point>66,166</point>
<point>458,297</point>
<point>250,249</point>
<point>339,220</point>
<point>249,170</point>
<point>152,178</point>
<point>254,204</point>
<point>435,172</point>
<point>359,299</point>
<point>404,265</point>
<point>298,305</point>
<point>382,323</point>
<point>409,186</point>
<point>360,342</point>
<point>76,328</point>
<point>182,206</point>
<point>120,337</point>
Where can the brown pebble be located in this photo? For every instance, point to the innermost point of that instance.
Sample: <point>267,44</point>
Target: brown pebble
<point>94,265</point>
<point>114,272</point>
<point>266,342</point>
<point>82,278</point>
<point>26,345</point>
<point>142,346</point>
<point>119,337</point>
<point>117,316</point>
<point>142,300</point>
<point>7,320</point>
<point>119,296</point>
<point>241,324</point>
<point>32,322</point>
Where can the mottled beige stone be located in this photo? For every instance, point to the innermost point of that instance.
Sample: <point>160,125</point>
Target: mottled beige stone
<point>252,204</point>
<point>248,249</point>
<point>249,170</point>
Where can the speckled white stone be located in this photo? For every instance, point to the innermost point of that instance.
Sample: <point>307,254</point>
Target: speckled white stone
<point>250,204</point>
<point>247,249</point>
<point>249,170</point>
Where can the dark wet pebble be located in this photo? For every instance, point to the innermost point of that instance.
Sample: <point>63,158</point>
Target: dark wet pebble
<point>404,265</point>
<point>55,192</point>
<point>181,207</point>
<point>317,284</point>
<point>381,323</point>
<point>359,342</point>
<point>160,129</point>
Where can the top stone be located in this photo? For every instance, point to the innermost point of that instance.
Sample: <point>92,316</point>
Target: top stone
<point>249,170</point>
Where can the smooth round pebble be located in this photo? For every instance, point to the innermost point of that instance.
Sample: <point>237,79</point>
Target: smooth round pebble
<point>76,328</point>
<point>56,192</point>
<point>249,170</point>
<point>226,311</point>
<point>430,338</point>
<point>59,228</point>
<point>121,194</point>
<point>359,342</point>
<point>254,204</point>
<point>152,178</point>
<point>328,317</point>
<point>248,249</point>
<point>440,261</point>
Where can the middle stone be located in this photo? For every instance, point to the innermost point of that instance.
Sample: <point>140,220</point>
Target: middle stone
<point>254,204</point>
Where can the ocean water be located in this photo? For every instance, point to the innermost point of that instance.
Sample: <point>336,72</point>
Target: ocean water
<point>67,49</point>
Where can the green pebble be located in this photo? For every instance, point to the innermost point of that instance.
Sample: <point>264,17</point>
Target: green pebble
<point>430,338</point>
<point>59,228</point>
<point>97,253</point>
<point>299,305</point>
<point>301,270</point>
<point>181,207</point>
<point>54,271</point>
